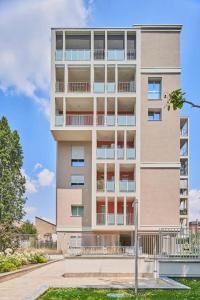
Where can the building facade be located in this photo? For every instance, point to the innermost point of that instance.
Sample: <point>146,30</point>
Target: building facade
<point>116,140</point>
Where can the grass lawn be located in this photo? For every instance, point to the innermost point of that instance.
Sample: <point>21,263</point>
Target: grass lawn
<point>101,294</point>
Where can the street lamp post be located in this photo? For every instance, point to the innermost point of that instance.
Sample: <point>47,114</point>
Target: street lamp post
<point>136,244</point>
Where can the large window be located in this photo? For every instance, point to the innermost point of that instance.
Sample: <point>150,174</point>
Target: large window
<point>77,157</point>
<point>77,180</point>
<point>154,115</point>
<point>154,89</point>
<point>77,211</point>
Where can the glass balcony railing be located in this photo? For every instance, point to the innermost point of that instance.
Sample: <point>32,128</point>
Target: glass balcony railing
<point>115,54</point>
<point>105,153</point>
<point>126,120</point>
<point>111,87</point>
<point>127,186</point>
<point>108,120</point>
<point>120,219</point>
<point>99,87</point>
<point>77,54</point>
<point>59,86</point>
<point>130,153</point>
<point>131,54</point>
<point>99,54</point>
<point>120,153</point>
<point>111,219</point>
<point>100,185</point>
<point>110,185</point>
<point>101,218</point>
<point>59,121</point>
<point>129,218</point>
<point>58,55</point>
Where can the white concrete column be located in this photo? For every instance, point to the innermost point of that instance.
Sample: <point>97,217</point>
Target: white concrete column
<point>116,110</point>
<point>125,44</point>
<point>64,111</point>
<point>105,177</point>
<point>125,143</point>
<point>115,210</point>
<point>92,46</point>
<point>106,44</point>
<point>95,111</point>
<point>116,77</point>
<point>105,109</point>
<point>66,78</point>
<point>91,77</point>
<point>125,200</point>
<point>94,178</point>
<point>106,78</point>
<point>106,209</point>
<point>115,145</point>
<point>63,50</point>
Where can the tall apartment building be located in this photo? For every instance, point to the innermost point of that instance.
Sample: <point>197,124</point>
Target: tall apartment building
<point>116,140</point>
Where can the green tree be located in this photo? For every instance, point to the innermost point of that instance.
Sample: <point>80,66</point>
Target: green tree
<point>12,182</point>
<point>28,228</point>
<point>176,100</point>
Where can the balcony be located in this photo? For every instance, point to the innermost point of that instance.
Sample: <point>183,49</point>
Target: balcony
<point>111,87</point>
<point>130,153</point>
<point>59,87</point>
<point>130,219</point>
<point>59,120</point>
<point>105,153</point>
<point>100,185</point>
<point>77,54</point>
<point>131,54</point>
<point>99,54</point>
<point>99,87</point>
<point>58,55</point>
<point>127,186</point>
<point>126,87</point>
<point>110,186</point>
<point>101,218</point>
<point>115,54</point>
<point>120,153</point>
<point>120,219</point>
<point>79,87</point>
<point>183,211</point>
<point>79,120</point>
<point>108,120</point>
<point>126,120</point>
<point>111,219</point>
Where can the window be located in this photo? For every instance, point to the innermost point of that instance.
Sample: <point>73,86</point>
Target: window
<point>77,159</point>
<point>154,89</point>
<point>77,211</point>
<point>154,115</point>
<point>77,180</point>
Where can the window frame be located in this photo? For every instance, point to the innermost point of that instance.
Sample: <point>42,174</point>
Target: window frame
<point>77,185</point>
<point>78,212</point>
<point>156,110</point>
<point>158,79</point>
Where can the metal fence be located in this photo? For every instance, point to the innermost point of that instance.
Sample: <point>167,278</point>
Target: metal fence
<point>27,241</point>
<point>166,243</point>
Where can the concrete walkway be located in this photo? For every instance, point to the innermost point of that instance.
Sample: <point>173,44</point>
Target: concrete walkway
<point>31,285</point>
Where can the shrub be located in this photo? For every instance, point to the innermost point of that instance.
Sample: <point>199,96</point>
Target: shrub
<point>6,266</point>
<point>38,258</point>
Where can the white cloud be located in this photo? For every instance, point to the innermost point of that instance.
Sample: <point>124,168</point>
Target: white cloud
<point>38,166</point>
<point>30,210</point>
<point>194,205</point>
<point>31,184</point>
<point>45,177</point>
<point>25,43</point>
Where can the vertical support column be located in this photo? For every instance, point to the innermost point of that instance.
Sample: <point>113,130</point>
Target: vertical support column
<point>105,110</point>
<point>92,63</point>
<point>66,78</point>
<point>95,111</point>
<point>116,77</point>
<point>125,215</point>
<point>64,111</point>
<point>116,145</point>
<point>106,78</point>
<point>106,209</point>
<point>53,48</point>
<point>125,44</point>
<point>116,111</point>
<point>105,177</point>
<point>94,178</point>
<point>63,50</point>
<point>125,144</point>
<point>115,210</point>
<point>106,44</point>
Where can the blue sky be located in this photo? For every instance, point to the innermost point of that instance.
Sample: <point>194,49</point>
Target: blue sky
<point>25,76</point>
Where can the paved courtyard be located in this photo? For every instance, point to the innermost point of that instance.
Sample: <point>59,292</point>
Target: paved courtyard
<point>28,286</point>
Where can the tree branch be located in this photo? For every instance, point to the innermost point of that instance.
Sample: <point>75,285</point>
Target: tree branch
<point>191,103</point>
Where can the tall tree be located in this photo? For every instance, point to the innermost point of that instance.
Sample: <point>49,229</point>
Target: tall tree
<point>28,228</point>
<point>12,182</point>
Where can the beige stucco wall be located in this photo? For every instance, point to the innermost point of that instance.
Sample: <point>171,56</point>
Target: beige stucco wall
<point>159,139</point>
<point>159,197</point>
<point>67,195</point>
<point>160,49</point>
<point>43,227</point>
